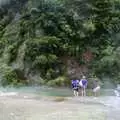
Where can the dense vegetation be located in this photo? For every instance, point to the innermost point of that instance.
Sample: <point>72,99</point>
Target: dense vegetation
<point>39,37</point>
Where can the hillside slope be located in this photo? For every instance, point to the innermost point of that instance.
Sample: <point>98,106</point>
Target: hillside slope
<point>50,42</point>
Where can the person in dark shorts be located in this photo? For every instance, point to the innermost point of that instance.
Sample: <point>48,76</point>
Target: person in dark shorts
<point>75,87</point>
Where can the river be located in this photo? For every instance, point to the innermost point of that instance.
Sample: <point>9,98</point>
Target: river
<point>35,103</point>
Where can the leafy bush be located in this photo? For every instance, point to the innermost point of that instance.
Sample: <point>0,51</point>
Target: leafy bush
<point>52,58</point>
<point>43,54</point>
<point>50,74</point>
<point>2,45</point>
<point>108,65</point>
<point>40,60</point>
<point>9,77</point>
<point>45,60</point>
<point>44,45</point>
<point>60,81</point>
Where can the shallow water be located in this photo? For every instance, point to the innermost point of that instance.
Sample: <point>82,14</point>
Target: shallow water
<point>45,91</point>
<point>37,103</point>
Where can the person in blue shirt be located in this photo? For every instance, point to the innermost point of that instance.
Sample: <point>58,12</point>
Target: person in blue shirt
<point>83,84</point>
<point>75,87</point>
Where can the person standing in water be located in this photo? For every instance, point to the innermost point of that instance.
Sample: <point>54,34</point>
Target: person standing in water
<point>83,84</point>
<point>75,87</point>
<point>96,87</point>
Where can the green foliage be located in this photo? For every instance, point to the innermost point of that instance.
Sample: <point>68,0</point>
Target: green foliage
<point>8,75</point>
<point>52,58</point>
<point>60,81</point>
<point>9,78</point>
<point>69,28</point>
<point>43,45</point>
<point>50,74</point>
<point>43,53</point>
<point>40,60</point>
<point>13,52</point>
<point>109,64</point>
<point>2,45</point>
<point>46,64</point>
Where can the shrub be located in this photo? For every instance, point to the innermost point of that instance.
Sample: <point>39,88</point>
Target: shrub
<point>40,60</point>
<point>60,81</point>
<point>2,45</point>
<point>52,58</point>
<point>9,78</point>
<point>45,60</point>
<point>39,46</point>
<point>13,52</point>
<point>50,74</point>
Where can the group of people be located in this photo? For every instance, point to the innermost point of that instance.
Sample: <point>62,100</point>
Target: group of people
<point>81,85</point>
